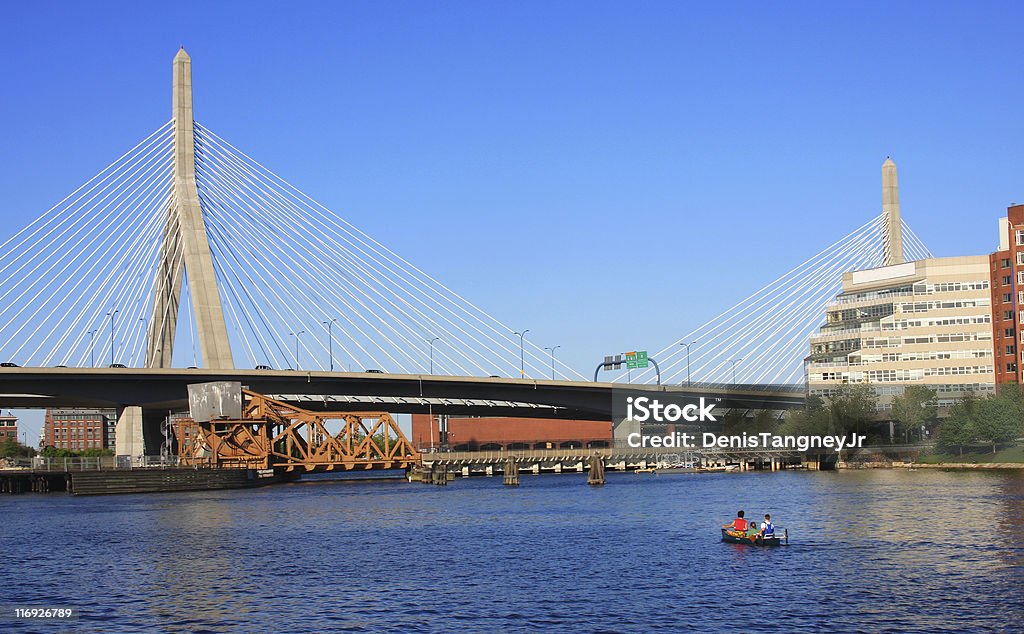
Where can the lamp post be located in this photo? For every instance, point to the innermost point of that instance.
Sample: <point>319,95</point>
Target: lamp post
<point>296,335</point>
<point>112,314</point>
<point>522,358</point>
<point>92,347</point>
<point>687,345</point>
<point>430,342</point>
<point>552,350</point>
<point>734,362</point>
<point>330,344</point>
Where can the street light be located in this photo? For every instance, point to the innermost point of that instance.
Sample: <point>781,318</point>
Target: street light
<point>734,362</point>
<point>430,342</point>
<point>552,360</point>
<point>112,314</point>
<point>330,345</point>
<point>522,361</point>
<point>92,348</point>
<point>683,343</point>
<point>296,335</point>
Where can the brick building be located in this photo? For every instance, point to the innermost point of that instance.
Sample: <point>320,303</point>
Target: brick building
<point>508,433</point>
<point>79,429</point>
<point>9,427</point>
<point>1006,270</point>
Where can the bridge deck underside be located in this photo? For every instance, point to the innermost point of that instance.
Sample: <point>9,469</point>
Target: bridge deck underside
<point>353,392</point>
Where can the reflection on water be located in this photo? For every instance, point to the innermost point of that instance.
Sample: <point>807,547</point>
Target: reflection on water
<point>871,551</point>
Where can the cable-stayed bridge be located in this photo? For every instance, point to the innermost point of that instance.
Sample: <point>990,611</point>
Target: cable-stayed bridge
<point>187,260</point>
<point>764,338</point>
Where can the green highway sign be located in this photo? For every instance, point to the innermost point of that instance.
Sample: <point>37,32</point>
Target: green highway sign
<point>637,359</point>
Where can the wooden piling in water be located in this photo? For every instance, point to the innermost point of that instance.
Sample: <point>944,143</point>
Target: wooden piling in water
<point>511,473</point>
<point>439,475</point>
<point>596,476</point>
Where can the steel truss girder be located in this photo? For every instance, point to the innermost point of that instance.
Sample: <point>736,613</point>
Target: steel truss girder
<point>276,435</point>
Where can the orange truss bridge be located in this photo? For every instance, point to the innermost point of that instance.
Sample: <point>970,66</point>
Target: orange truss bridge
<point>275,435</point>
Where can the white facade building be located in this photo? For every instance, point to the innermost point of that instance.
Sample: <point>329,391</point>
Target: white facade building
<point>927,323</point>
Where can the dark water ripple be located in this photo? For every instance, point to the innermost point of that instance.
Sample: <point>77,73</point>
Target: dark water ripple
<point>878,551</point>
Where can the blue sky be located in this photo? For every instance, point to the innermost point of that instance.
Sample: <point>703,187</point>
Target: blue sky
<point>553,161</point>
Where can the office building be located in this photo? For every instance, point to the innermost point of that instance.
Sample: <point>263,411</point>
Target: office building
<point>1006,268</point>
<point>80,429</point>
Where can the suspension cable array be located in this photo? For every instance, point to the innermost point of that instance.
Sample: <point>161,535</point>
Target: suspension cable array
<point>763,339</point>
<point>78,280</point>
<point>286,264</point>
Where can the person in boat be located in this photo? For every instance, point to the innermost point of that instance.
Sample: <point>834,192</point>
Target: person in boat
<point>753,533</point>
<point>767,528</point>
<point>737,526</point>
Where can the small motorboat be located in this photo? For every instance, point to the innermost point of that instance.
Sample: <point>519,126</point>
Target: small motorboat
<point>736,538</point>
<point>712,469</point>
<point>675,463</point>
<point>669,470</point>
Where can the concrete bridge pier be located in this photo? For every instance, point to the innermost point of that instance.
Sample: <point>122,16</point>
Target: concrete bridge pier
<point>138,431</point>
<point>129,436</point>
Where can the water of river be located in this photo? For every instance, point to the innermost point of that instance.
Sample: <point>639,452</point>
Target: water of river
<point>878,551</point>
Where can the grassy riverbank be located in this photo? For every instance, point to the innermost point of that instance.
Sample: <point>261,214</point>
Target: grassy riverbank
<point>976,455</point>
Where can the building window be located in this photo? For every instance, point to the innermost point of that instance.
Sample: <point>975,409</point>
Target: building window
<point>1020,237</point>
<point>1009,333</point>
<point>1008,297</point>
<point>1006,262</point>
<point>1008,315</point>
<point>1020,258</point>
<point>1010,350</point>
<point>1007,280</point>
